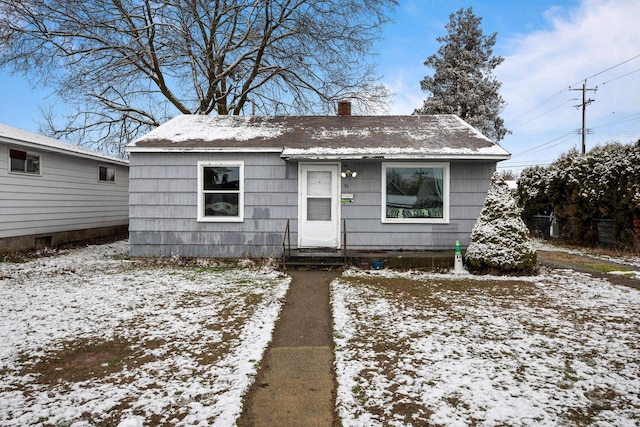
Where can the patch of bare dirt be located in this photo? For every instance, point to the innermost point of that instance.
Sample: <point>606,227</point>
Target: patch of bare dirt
<point>84,360</point>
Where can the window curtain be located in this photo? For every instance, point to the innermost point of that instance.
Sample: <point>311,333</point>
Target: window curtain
<point>438,175</point>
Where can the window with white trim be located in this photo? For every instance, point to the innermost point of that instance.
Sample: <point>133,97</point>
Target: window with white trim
<point>415,192</point>
<point>106,173</point>
<point>221,191</point>
<point>24,162</point>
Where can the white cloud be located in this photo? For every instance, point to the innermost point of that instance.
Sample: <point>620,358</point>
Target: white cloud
<point>581,43</point>
<point>407,95</point>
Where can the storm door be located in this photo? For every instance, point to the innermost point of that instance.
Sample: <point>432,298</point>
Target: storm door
<point>318,222</point>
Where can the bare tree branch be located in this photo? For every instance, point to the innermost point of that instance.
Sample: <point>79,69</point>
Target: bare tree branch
<point>125,66</point>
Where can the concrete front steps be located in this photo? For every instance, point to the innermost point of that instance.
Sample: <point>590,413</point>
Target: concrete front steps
<point>336,258</point>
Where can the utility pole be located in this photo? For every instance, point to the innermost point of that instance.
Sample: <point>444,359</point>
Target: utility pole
<point>584,104</point>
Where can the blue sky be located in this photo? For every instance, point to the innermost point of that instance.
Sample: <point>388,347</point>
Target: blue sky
<point>548,46</point>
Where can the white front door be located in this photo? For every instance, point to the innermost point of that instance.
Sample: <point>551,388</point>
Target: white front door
<point>318,190</point>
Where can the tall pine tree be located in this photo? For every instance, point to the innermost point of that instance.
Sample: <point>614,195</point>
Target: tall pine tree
<point>462,82</point>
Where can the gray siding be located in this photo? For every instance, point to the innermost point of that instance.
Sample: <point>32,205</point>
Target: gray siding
<point>67,196</point>
<point>365,230</point>
<point>163,208</point>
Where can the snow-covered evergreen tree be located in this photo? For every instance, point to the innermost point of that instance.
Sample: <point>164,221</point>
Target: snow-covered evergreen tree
<point>463,83</point>
<point>500,240</point>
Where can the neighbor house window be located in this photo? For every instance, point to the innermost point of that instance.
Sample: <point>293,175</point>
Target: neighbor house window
<point>24,162</point>
<point>106,174</point>
<point>415,192</point>
<point>221,191</point>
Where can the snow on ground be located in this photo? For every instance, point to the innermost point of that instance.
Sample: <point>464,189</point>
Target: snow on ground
<point>197,334</point>
<point>629,274</point>
<point>628,260</point>
<point>561,348</point>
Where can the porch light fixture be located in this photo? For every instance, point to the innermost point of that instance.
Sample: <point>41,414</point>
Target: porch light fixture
<point>349,174</point>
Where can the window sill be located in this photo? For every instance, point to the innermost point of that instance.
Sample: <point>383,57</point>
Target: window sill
<point>35,175</point>
<point>415,221</point>
<point>220,219</point>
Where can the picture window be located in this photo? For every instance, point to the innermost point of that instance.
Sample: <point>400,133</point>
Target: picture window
<point>415,192</point>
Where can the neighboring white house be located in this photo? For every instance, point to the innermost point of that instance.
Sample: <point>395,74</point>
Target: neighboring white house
<point>52,192</point>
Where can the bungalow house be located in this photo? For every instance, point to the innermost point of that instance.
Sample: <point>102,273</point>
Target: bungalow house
<point>52,192</point>
<point>229,186</point>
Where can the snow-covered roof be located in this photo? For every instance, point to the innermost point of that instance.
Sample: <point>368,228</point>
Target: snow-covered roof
<point>21,137</point>
<point>325,137</point>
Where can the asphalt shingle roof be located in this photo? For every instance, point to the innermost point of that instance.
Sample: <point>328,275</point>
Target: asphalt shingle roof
<point>322,137</point>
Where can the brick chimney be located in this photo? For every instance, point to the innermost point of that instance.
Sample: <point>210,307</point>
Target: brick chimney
<point>344,108</point>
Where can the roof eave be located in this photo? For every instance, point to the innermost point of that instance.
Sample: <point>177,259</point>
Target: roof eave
<point>75,153</point>
<point>407,156</point>
<point>183,149</point>
<point>325,156</point>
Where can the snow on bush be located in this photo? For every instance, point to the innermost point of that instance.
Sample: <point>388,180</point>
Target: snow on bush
<point>500,239</point>
<point>582,189</point>
<point>533,185</point>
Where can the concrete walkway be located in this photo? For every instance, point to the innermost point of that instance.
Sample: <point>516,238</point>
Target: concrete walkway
<point>296,384</point>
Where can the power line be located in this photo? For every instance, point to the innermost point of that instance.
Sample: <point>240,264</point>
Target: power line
<point>566,137</point>
<point>546,112</point>
<point>522,165</point>
<point>618,134</point>
<point>629,118</point>
<point>538,133</point>
<point>619,77</point>
<point>539,105</point>
<point>608,69</point>
<point>557,94</point>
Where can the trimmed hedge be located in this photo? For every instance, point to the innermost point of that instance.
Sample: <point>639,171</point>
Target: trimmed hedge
<point>580,190</point>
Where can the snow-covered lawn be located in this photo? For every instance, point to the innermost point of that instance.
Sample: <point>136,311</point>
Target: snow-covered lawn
<point>92,339</point>
<point>561,348</point>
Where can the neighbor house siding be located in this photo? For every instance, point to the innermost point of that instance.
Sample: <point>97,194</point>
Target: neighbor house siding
<point>66,196</point>
<point>163,206</point>
<point>469,183</point>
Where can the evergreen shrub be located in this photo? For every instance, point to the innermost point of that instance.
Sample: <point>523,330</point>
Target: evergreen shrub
<point>500,241</point>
